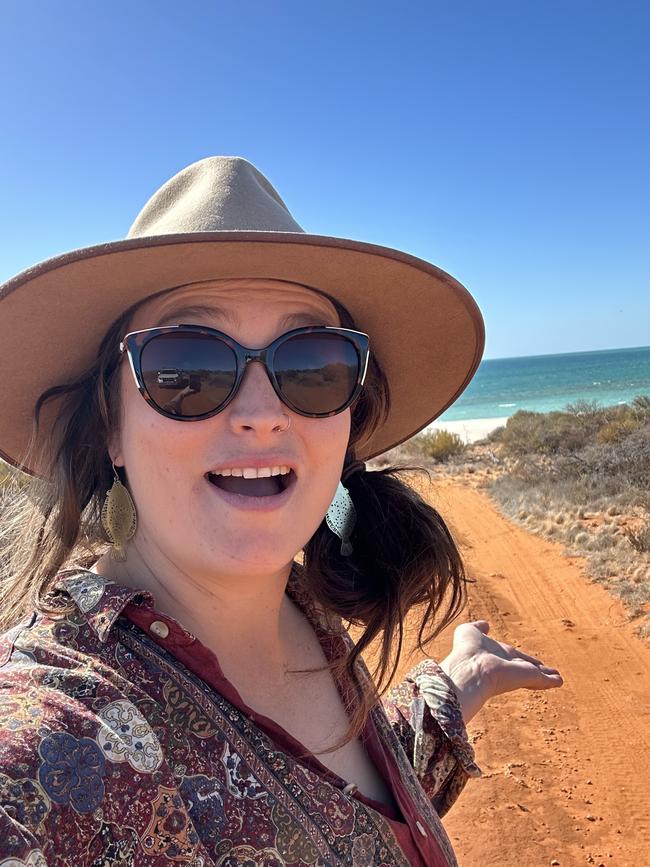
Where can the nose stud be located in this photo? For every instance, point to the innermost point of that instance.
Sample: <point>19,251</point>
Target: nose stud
<point>282,429</point>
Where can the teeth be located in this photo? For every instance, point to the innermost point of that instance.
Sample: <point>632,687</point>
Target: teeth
<point>254,473</point>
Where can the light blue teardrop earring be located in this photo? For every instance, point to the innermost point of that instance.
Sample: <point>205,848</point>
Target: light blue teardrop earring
<point>341,518</point>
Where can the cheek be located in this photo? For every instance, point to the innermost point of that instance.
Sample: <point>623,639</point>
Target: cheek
<point>327,447</point>
<point>155,450</point>
<point>327,439</point>
<point>326,442</point>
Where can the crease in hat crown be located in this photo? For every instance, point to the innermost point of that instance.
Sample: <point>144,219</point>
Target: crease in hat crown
<point>215,194</point>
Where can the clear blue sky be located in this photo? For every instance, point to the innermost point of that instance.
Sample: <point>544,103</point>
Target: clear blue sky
<point>508,142</point>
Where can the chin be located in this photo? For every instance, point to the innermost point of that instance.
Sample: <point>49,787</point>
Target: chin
<point>246,552</point>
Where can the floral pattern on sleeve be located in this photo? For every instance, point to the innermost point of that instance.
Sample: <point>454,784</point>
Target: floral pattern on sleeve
<point>425,713</point>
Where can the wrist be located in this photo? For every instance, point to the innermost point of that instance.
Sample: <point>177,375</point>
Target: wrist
<point>467,684</point>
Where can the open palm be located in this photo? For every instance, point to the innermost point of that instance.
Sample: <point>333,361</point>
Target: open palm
<point>500,667</point>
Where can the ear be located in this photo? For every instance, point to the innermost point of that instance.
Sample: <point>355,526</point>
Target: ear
<point>114,444</point>
<point>115,450</point>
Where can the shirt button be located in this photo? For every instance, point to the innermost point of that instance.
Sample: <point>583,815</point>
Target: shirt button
<point>159,628</point>
<point>420,828</point>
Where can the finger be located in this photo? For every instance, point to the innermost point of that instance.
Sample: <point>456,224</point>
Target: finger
<point>538,677</point>
<point>544,684</point>
<point>546,669</point>
<point>551,680</point>
<point>519,654</point>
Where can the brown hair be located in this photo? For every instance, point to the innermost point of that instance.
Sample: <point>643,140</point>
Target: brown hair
<point>404,555</point>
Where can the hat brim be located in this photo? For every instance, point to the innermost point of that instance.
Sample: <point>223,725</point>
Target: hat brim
<point>425,328</point>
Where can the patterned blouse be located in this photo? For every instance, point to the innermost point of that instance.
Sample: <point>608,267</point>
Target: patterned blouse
<point>122,743</point>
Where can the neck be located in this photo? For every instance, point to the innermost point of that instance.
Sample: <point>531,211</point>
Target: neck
<point>247,620</point>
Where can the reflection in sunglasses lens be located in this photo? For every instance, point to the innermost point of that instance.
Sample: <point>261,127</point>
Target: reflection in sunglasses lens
<point>317,372</point>
<point>188,374</point>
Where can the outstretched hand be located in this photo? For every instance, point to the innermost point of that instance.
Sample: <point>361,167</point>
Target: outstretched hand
<point>482,667</point>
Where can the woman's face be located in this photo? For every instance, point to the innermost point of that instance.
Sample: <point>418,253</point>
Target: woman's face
<point>183,516</point>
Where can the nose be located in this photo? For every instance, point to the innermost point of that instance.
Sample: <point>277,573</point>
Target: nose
<point>256,406</point>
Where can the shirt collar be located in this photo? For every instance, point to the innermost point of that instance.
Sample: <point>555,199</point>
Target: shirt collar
<point>101,601</point>
<point>98,599</point>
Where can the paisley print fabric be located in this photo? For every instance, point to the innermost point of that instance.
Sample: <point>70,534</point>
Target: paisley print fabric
<point>127,737</point>
<point>71,771</point>
<point>121,747</point>
<point>424,714</point>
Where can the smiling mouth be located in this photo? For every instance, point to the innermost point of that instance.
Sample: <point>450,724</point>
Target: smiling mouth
<point>260,487</point>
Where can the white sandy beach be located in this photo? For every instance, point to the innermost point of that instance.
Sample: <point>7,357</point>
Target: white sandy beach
<point>470,429</point>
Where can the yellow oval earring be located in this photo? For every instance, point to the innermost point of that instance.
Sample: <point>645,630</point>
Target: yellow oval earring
<point>119,518</point>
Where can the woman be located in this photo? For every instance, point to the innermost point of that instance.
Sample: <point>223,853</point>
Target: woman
<point>206,392</point>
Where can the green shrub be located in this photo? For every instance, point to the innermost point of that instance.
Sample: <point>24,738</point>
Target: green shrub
<point>569,431</point>
<point>546,433</point>
<point>616,429</point>
<point>439,444</point>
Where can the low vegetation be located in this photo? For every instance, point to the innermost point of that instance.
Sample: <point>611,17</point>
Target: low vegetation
<point>580,476</point>
<point>439,445</point>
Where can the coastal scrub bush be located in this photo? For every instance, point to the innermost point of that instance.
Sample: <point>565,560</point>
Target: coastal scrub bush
<point>627,461</point>
<point>569,431</point>
<point>545,433</point>
<point>588,416</point>
<point>583,407</point>
<point>616,429</point>
<point>439,444</point>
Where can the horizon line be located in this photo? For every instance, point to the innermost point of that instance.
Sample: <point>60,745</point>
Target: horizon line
<point>551,354</point>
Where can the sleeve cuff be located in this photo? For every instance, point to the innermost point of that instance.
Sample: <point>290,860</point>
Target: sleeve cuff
<point>440,696</point>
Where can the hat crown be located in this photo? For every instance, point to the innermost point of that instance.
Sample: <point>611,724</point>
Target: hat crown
<point>216,194</point>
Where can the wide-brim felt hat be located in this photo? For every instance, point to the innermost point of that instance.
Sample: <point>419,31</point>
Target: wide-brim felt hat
<point>219,218</point>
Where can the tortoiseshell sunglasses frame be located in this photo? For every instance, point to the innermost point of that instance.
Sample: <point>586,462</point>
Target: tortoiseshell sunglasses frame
<point>134,342</point>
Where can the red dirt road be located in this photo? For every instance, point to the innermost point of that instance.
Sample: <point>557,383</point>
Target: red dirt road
<point>566,770</point>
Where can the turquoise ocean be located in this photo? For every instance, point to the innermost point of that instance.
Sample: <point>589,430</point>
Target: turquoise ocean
<point>542,383</point>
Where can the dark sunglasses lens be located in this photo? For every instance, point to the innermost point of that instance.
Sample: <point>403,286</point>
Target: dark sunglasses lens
<point>317,373</point>
<point>188,374</point>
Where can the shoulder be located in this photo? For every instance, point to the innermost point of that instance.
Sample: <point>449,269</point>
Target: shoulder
<point>91,738</point>
<point>60,718</point>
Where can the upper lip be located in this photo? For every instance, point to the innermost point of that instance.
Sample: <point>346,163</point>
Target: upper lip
<point>256,463</point>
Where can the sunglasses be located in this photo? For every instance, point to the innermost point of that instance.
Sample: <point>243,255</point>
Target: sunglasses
<point>191,372</point>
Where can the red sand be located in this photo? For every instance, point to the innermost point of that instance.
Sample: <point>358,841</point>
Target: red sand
<point>565,770</point>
